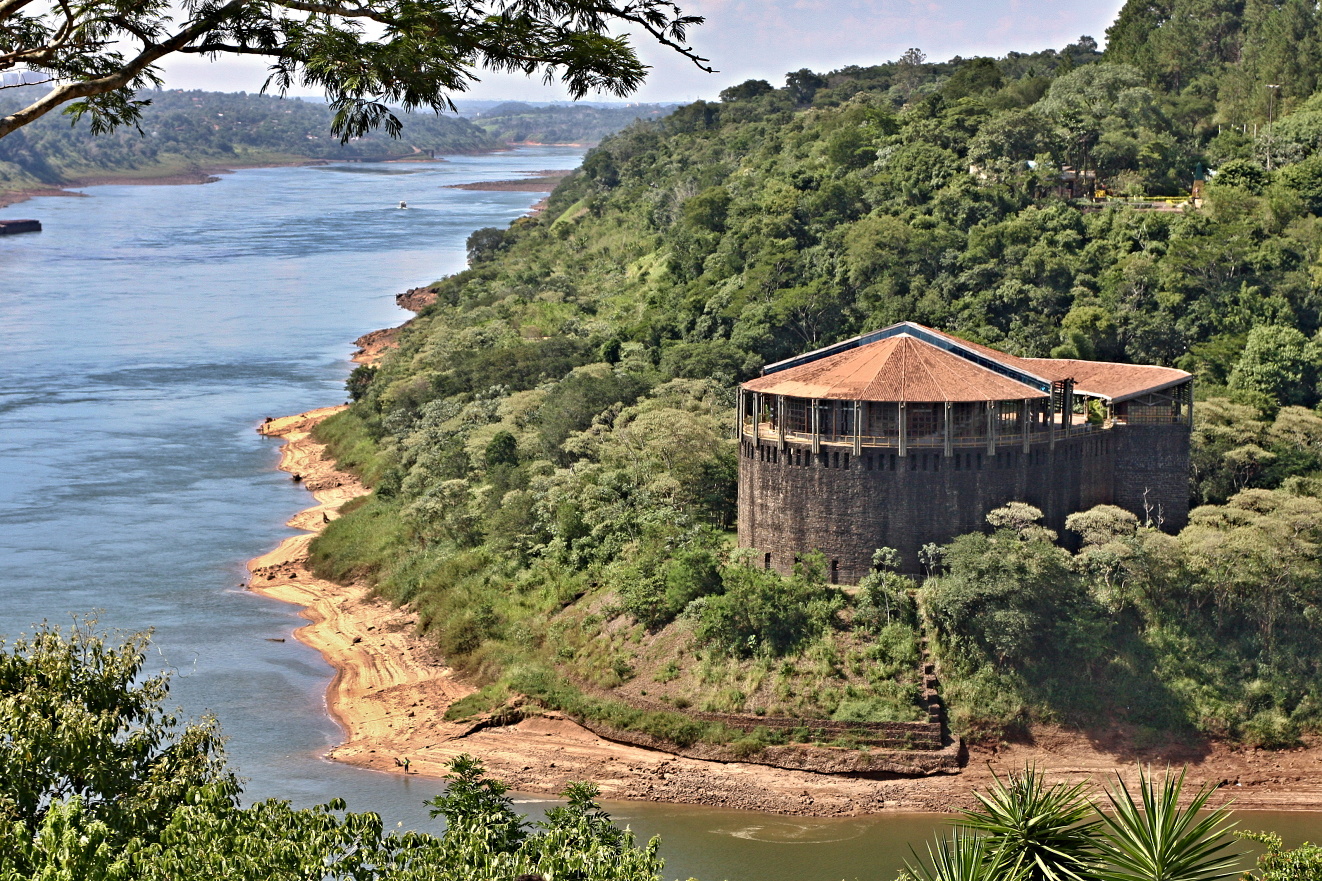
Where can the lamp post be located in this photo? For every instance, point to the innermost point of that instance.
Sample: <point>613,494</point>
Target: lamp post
<point>1271,106</point>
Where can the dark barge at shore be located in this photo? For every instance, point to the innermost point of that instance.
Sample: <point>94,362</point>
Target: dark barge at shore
<point>10,227</point>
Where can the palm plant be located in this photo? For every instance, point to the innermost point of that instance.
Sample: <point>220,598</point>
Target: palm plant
<point>1154,839</point>
<point>964,856</point>
<point>1038,832</point>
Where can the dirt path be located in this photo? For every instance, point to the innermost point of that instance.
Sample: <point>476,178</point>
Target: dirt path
<point>391,690</point>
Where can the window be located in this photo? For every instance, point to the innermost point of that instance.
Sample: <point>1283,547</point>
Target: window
<point>924,420</point>
<point>881,420</point>
<point>796,416</point>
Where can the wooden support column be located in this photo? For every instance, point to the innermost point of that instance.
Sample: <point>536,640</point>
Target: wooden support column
<point>816,425</point>
<point>902,427</point>
<point>1188,414</point>
<point>740,413</point>
<point>950,440</point>
<point>780,420</point>
<point>1068,408</point>
<point>1024,426</point>
<point>858,428</point>
<point>757,417</point>
<point>991,428</point>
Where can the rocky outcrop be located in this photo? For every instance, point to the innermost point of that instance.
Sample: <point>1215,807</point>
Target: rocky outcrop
<point>415,299</point>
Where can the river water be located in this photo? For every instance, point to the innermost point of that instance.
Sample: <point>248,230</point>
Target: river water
<point>147,331</point>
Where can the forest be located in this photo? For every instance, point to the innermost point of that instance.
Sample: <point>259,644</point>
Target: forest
<point>550,445</point>
<point>186,129</point>
<point>514,122</point>
<point>183,131</point>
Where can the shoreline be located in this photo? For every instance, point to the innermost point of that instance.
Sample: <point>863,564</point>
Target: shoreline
<point>539,182</point>
<point>391,689</point>
<point>199,174</point>
<point>206,173</point>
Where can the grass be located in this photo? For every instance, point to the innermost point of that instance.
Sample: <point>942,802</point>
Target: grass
<point>363,543</point>
<point>350,444</point>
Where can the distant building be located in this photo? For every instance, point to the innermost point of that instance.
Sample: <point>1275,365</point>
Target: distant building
<point>906,436</point>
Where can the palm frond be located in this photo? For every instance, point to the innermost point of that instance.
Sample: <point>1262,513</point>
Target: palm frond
<point>1154,839</point>
<point>1043,832</point>
<point>963,856</point>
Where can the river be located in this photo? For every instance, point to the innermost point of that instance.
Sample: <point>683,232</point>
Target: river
<point>147,331</point>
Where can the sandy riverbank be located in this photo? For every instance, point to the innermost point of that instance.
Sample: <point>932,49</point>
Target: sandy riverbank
<point>391,690</point>
<point>198,174</point>
<point>540,182</point>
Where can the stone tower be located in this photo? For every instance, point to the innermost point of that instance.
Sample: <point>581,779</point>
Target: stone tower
<point>906,436</point>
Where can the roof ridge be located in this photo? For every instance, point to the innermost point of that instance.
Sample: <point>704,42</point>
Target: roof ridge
<point>935,381</point>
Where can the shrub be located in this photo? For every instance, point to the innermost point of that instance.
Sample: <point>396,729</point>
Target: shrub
<point>763,612</point>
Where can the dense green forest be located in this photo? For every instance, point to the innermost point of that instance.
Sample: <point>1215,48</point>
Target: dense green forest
<point>514,122</point>
<point>183,130</point>
<point>550,445</point>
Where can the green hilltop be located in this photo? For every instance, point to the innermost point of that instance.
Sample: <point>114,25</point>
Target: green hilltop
<point>550,444</point>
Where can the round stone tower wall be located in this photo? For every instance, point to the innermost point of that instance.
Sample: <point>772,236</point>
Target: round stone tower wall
<point>793,501</point>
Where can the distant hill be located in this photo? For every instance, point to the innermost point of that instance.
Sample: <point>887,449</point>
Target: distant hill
<point>183,130</point>
<point>515,122</point>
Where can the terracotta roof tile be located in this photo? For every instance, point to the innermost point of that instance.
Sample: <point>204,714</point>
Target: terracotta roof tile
<point>1117,382</point>
<point>1046,368</point>
<point>898,368</point>
<point>909,362</point>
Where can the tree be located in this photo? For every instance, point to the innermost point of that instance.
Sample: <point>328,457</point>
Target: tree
<point>803,84</point>
<point>746,91</point>
<point>485,243</point>
<point>79,722</point>
<point>1095,101</point>
<point>98,782</point>
<point>1242,174</point>
<point>1279,362</point>
<point>976,76</point>
<point>365,54</point>
<point>1009,598</point>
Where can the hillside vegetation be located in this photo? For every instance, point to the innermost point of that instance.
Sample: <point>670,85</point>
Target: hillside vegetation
<point>182,130</point>
<point>550,445</point>
<point>514,122</point>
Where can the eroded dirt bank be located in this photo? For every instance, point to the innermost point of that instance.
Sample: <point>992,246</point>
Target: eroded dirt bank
<point>391,690</point>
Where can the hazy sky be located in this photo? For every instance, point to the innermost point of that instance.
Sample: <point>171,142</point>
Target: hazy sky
<point>766,38</point>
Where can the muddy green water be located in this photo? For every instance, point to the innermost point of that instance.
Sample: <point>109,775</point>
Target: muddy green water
<point>146,332</point>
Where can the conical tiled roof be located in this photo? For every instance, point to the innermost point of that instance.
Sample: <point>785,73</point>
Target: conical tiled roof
<point>896,368</point>
<point>910,362</point>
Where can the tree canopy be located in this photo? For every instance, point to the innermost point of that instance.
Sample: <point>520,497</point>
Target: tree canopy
<point>101,782</point>
<point>365,54</point>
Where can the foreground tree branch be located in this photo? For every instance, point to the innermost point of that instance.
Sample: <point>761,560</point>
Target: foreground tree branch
<point>367,55</point>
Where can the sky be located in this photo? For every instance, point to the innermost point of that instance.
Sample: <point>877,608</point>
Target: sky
<point>765,39</point>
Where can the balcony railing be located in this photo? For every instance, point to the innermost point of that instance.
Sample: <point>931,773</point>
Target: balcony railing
<point>1039,434</point>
